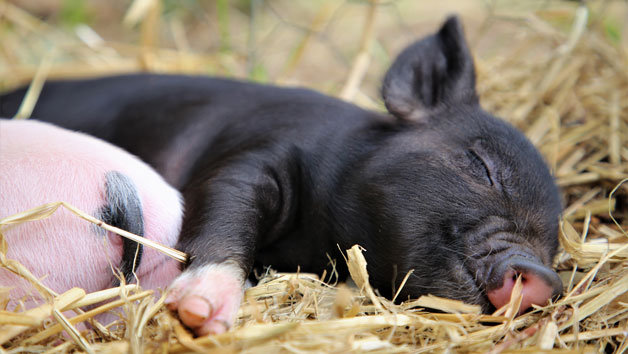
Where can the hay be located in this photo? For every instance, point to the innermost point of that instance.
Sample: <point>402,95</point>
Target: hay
<point>567,90</point>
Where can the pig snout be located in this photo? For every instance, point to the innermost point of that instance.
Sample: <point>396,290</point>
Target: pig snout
<point>539,282</point>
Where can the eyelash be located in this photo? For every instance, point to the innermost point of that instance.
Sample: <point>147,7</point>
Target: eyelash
<point>476,160</point>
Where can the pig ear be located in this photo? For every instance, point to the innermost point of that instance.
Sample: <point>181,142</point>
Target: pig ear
<point>431,73</point>
<point>124,210</point>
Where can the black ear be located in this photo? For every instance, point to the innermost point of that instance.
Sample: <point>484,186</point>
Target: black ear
<point>433,72</point>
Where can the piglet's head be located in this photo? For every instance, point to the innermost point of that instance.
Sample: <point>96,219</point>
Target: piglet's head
<point>463,197</point>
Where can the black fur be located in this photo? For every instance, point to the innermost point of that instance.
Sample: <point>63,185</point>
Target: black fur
<point>282,176</point>
<point>124,210</point>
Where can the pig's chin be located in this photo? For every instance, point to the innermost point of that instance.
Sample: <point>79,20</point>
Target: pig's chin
<point>455,280</point>
<point>468,285</point>
<point>488,246</point>
<point>464,276</point>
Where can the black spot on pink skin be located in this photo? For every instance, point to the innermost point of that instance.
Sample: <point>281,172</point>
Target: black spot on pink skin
<point>123,209</point>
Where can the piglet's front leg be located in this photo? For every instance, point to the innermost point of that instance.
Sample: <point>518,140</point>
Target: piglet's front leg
<point>226,215</point>
<point>207,298</point>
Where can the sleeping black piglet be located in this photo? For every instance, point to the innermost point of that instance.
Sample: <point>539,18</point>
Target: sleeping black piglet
<point>283,177</point>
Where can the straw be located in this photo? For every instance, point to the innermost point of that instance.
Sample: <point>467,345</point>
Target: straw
<point>557,76</point>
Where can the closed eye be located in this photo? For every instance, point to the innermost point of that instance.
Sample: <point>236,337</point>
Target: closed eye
<point>479,168</point>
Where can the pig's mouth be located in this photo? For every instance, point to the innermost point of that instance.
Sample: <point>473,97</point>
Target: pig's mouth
<point>477,274</point>
<point>496,255</point>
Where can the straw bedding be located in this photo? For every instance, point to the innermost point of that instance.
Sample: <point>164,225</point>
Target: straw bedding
<point>566,89</point>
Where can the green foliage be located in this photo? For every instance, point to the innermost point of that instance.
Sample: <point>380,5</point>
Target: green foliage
<point>259,73</point>
<point>73,12</point>
<point>222,8</point>
<point>179,7</point>
<point>613,31</point>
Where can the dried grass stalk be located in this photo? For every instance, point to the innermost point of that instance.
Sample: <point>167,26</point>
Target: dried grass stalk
<point>569,93</point>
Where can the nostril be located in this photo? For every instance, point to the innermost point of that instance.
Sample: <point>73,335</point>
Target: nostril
<point>525,278</point>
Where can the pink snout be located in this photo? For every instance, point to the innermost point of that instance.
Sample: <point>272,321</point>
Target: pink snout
<point>540,283</point>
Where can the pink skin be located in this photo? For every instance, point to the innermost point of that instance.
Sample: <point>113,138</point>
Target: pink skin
<point>39,164</point>
<point>207,299</point>
<point>535,291</point>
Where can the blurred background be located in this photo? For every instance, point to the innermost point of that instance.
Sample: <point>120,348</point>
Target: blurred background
<point>306,42</point>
